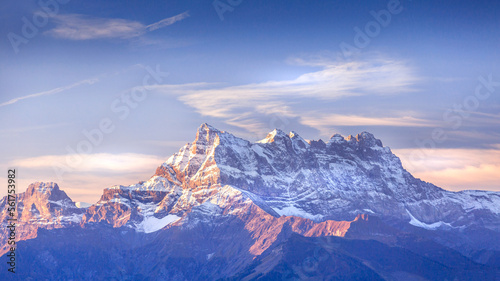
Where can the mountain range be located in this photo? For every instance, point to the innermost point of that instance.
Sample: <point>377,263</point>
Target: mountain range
<point>283,208</point>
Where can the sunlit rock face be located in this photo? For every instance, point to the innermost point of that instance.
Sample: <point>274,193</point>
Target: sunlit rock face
<point>337,180</point>
<point>43,205</point>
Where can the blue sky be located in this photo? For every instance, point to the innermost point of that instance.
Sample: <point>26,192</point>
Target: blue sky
<point>422,76</point>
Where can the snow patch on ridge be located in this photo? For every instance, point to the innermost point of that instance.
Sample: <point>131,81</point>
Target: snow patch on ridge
<point>120,200</point>
<point>75,218</point>
<point>82,205</point>
<point>432,226</point>
<point>155,183</point>
<point>150,223</point>
<point>294,211</point>
<point>478,199</point>
<point>153,224</point>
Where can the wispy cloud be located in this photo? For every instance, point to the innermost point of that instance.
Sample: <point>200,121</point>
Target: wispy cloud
<point>325,122</point>
<point>248,106</point>
<point>32,128</point>
<point>52,92</point>
<point>173,144</point>
<point>167,21</point>
<point>90,81</point>
<point>83,27</point>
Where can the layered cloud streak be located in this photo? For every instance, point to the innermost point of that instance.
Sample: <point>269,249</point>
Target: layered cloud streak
<point>82,27</point>
<point>250,106</point>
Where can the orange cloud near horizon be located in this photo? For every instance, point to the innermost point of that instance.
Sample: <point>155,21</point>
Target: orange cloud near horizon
<point>455,169</point>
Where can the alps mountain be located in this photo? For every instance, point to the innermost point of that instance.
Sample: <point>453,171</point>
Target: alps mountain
<point>280,208</point>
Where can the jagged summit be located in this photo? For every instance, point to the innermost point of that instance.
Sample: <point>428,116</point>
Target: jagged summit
<point>44,205</point>
<point>47,195</point>
<point>206,128</point>
<point>338,138</point>
<point>43,187</point>
<point>208,134</point>
<point>313,179</point>
<point>274,135</point>
<point>366,139</point>
<point>47,190</point>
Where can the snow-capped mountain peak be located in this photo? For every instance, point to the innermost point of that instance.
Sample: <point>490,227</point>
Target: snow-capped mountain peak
<point>206,133</point>
<point>274,135</point>
<point>337,138</point>
<point>334,180</point>
<point>366,139</point>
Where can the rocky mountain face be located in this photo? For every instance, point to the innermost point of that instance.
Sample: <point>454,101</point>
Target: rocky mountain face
<point>334,180</point>
<point>223,207</point>
<point>43,205</point>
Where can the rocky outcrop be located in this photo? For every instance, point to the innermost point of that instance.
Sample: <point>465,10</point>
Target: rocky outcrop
<point>42,205</point>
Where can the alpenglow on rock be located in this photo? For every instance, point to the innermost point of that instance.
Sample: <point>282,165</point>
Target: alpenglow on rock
<point>287,175</point>
<point>42,205</point>
<point>283,174</point>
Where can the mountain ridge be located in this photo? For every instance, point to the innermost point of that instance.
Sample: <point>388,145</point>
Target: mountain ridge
<point>269,171</point>
<point>265,192</point>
